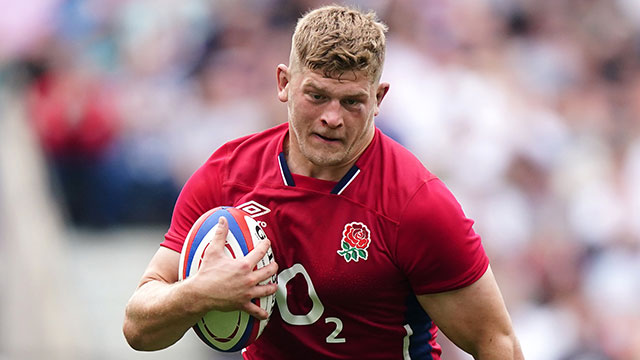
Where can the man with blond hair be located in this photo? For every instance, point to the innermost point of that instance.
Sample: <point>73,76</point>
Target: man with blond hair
<point>371,250</point>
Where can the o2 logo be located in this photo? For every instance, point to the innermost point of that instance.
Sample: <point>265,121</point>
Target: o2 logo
<point>260,233</point>
<point>317,309</point>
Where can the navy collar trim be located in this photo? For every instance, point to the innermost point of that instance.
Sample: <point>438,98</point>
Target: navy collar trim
<point>347,179</point>
<point>284,170</point>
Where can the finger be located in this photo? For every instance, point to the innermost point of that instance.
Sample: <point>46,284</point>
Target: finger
<point>265,272</point>
<point>263,290</point>
<point>219,236</point>
<point>258,252</point>
<point>255,311</point>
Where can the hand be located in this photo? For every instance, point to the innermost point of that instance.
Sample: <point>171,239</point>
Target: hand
<point>225,284</point>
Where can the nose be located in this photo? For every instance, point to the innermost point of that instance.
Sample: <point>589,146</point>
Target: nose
<point>332,114</point>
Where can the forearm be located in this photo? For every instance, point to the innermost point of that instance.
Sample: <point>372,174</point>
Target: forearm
<point>162,308</point>
<point>156,316</point>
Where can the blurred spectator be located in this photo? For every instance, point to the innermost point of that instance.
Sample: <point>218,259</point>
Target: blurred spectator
<point>75,118</point>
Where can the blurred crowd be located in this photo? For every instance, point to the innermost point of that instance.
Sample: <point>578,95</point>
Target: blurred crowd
<point>528,109</point>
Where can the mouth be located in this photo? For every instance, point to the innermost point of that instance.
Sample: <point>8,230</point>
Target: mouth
<point>326,138</point>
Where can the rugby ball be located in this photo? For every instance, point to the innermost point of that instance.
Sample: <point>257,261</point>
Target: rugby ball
<point>234,330</point>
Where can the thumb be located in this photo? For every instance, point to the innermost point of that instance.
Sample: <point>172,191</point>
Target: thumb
<point>219,237</point>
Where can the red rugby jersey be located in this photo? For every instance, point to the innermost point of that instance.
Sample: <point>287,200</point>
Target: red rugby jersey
<point>352,254</point>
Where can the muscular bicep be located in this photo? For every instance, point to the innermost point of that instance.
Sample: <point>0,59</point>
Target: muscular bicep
<point>474,317</point>
<point>162,267</point>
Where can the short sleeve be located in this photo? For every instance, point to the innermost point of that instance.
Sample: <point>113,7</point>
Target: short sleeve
<point>199,194</point>
<point>437,247</point>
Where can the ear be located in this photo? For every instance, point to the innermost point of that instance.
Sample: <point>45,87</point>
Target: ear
<point>283,75</point>
<point>383,88</point>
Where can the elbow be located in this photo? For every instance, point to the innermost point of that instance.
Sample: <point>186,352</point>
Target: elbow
<point>505,346</point>
<point>141,338</point>
<point>517,350</point>
<point>511,347</point>
<point>134,336</point>
<point>131,331</point>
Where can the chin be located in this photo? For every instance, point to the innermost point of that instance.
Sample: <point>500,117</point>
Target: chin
<point>319,160</point>
<point>322,157</point>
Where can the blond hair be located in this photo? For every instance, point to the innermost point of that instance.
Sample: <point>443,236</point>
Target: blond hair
<point>336,39</point>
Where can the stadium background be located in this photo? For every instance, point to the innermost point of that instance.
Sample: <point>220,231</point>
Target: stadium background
<point>528,110</point>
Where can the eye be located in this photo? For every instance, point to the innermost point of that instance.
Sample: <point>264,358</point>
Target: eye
<point>316,97</point>
<point>350,102</point>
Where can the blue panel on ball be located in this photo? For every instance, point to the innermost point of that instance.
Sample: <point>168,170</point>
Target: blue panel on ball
<point>245,337</point>
<point>204,229</point>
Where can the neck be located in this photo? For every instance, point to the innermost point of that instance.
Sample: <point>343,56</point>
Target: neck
<point>300,165</point>
<point>329,173</point>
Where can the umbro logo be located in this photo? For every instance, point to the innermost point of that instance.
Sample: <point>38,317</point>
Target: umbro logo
<point>254,209</point>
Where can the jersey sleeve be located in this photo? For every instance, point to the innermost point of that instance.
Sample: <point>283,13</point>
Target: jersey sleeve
<point>199,194</point>
<point>437,247</point>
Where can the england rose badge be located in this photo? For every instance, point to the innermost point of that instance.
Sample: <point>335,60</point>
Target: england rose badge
<point>355,241</point>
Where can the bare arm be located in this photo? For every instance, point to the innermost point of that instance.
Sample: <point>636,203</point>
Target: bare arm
<point>475,319</point>
<point>162,309</point>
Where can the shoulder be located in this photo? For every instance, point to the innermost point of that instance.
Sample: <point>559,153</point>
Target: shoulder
<point>250,159</point>
<point>435,236</point>
<point>244,154</point>
<point>234,162</point>
<point>432,204</point>
<point>398,163</point>
<point>391,176</point>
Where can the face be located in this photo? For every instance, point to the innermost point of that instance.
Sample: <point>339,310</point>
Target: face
<point>330,120</point>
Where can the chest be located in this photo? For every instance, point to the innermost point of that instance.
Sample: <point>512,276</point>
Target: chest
<point>325,245</point>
